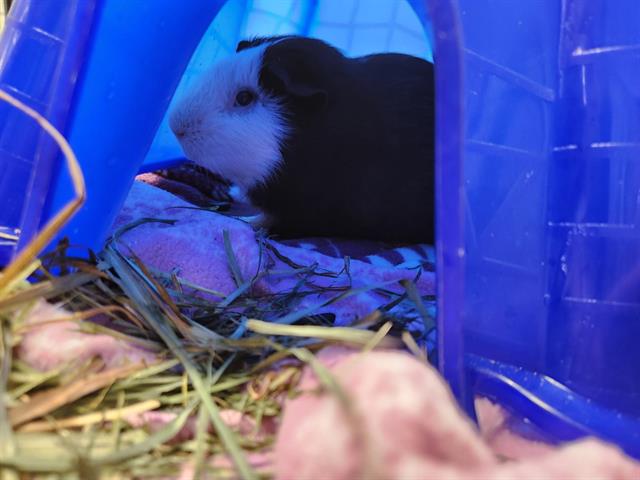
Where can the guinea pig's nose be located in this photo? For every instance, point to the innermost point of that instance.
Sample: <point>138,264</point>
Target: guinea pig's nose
<point>179,126</point>
<point>183,127</point>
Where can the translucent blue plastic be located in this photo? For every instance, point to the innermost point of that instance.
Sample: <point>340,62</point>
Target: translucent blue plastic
<point>538,190</point>
<point>42,50</point>
<point>538,129</point>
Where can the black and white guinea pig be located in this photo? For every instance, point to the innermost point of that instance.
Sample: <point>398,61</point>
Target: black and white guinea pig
<point>322,144</point>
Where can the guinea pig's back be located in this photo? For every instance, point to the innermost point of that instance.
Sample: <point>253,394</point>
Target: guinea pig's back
<point>400,161</point>
<point>403,87</point>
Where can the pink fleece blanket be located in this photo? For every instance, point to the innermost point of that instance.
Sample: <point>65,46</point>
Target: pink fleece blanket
<point>404,422</point>
<point>194,248</point>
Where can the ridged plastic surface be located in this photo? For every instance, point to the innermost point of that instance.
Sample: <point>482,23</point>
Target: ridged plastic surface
<point>549,238</point>
<point>42,50</point>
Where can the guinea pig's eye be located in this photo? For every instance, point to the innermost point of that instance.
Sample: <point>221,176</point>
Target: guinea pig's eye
<point>244,98</point>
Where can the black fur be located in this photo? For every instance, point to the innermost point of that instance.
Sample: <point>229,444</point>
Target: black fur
<point>360,161</point>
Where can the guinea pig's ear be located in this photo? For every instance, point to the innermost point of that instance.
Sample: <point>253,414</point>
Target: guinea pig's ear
<point>291,81</point>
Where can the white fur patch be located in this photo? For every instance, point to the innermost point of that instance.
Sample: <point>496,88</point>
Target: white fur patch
<point>239,143</point>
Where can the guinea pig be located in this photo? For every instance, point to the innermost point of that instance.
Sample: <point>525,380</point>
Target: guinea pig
<point>322,144</point>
